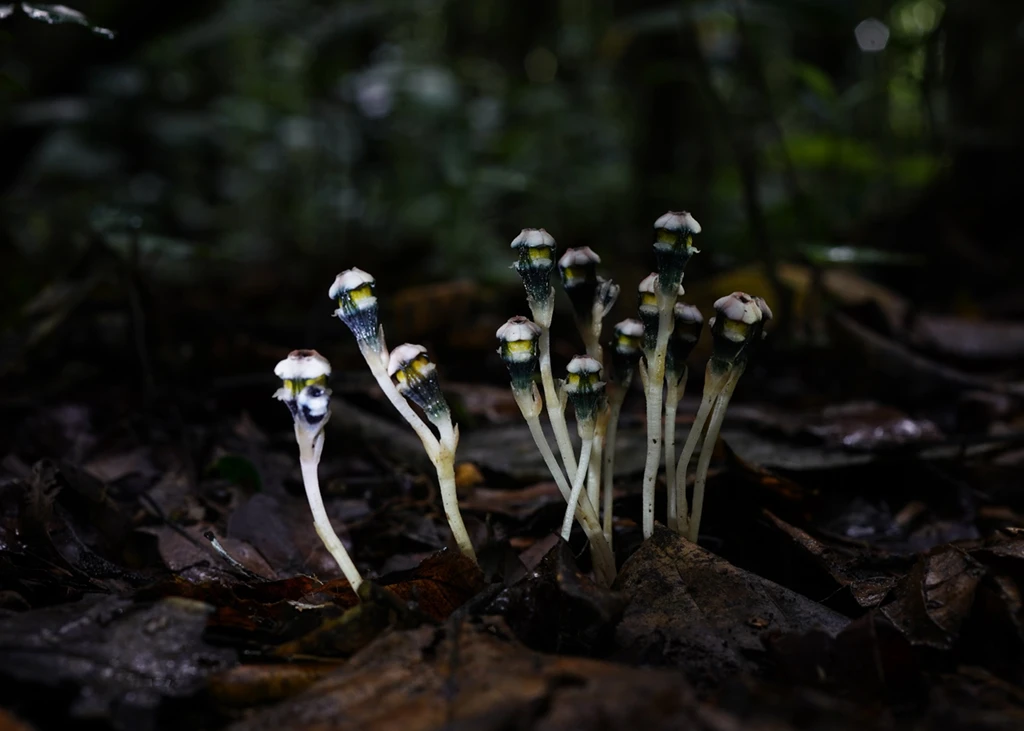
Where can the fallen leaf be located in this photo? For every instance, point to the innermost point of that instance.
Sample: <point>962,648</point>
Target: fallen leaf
<point>690,608</point>
<point>477,676</point>
<point>935,598</point>
<point>125,658</point>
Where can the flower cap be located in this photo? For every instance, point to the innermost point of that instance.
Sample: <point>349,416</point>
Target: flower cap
<point>519,350</point>
<point>416,378</point>
<point>738,323</point>
<point>536,261</point>
<point>626,350</point>
<point>304,390</point>
<point>673,246</point>
<point>355,291</point>
<point>583,386</point>
<point>689,323</point>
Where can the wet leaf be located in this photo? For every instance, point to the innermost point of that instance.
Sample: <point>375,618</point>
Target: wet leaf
<point>124,658</point>
<point>869,659</point>
<point>438,586</point>
<point>868,575</point>
<point>934,600</point>
<point>866,426</point>
<point>251,685</point>
<point>556,608</point>
<point>476,676</point>
<point>692,609</point>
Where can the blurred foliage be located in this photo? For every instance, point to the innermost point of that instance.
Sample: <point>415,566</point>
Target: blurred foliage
<point>348,132</point>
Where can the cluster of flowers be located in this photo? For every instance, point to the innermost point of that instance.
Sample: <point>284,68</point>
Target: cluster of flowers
<point>656,345</point>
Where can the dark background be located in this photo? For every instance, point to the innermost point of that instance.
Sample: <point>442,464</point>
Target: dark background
<point>251,140</point>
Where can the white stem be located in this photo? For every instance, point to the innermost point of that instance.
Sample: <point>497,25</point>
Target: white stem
<point>577,486</point>
<point>673,394</point>
<point>555,404</point>
<point>608,490</point>
<point>586,514</point>
<point>712,386</point>
<point>445,464</point>
<point>704,461</point>
<point>309,458</point>
<point>655,381</point>
<point>597,459</point>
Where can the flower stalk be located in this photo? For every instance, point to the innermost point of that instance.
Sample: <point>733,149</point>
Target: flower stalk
<point>587,394</point>
<point>736,328</point>
<point>626,350</point>
<point>519,350</point>
<point>355,292</point>
<point>536,248</point>
<point>304,391</point>
<point>689,324</point>
<point>673,247</point>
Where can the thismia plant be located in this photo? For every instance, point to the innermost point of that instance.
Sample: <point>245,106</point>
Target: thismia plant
<point>656,344</point>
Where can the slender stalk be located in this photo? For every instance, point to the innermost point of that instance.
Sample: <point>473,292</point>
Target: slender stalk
<point>597,459</point>
<point>714,426</point>
<point>591,339</point>
<point>608,489</point>
<point>555,404</point>
<point>673,395</point>
<point>713,383</point>
<point>655,383</point>
<point>309,458</point>
<point>586,514</point>
<point>445,465</point>
<point>577,486</point>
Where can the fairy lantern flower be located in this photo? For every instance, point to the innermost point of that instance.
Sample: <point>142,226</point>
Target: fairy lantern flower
<point>417,380</point>
<point>536,248</point>
<point>673,247</point>
<point>689,324</point>
<point>355,291</point>
<point>585,389</point>
<point>737,327</point>
<point>578,270</point>
<point>591,296</point>
<point>586,393</point>
<point>647,307</point>
<point>304,391</point>
<point>627,346</point>
<point>518,347</point>
<point>519,351</point>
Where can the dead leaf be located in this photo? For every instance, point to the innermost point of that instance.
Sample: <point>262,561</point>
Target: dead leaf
<point>476,676</point>
<point>125,658</point>
<point>868,575</point>
<point>935,598</point>
<point>690,608</point>
<point>556,608</point>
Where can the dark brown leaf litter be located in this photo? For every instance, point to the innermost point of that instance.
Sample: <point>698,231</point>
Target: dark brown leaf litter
<point>557,608</point>
<point>475,675</point>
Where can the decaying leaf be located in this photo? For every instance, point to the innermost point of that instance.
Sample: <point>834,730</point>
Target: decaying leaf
<point>475,675</point>
<point>934,600</point>
<point>124,657</point>
<point>691,609</point>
